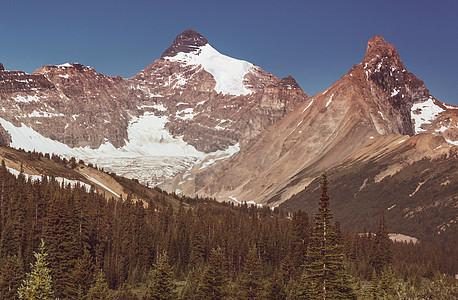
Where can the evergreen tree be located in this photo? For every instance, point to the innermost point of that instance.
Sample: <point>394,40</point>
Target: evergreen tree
<point>61,234</point>
<point>189,291</point>
<point>325,276</point>
<point>214,282</point>
<point>374,292</point>
<point>11,278</point>
<point>37,284</point>
<point>83,273</point>
<point>275,288</point>
<point>99,289</point>
<point>161,286</point>
<point>250,284</point>
<point>381,254</point>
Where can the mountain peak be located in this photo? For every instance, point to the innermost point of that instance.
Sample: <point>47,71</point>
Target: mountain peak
<point>186,42</point>
<point>289,83</point>
<point>378,48</point>
<point>2,68</point>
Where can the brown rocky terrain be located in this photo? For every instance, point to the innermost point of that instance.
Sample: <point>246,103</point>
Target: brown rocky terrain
<point>375,128</point>
<point>377,99</point>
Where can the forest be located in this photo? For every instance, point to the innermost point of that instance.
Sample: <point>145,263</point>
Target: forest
<point>59,242</point>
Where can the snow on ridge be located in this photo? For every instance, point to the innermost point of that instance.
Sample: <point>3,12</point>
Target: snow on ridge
<point>66,65</point>
<point>26,99</point>
<point>330,100</point>
<point>424,113</point>
<point>243,202</point>
<point>307,106</point>
<point>185,114</point>
<point>61,180</point>
<point>228,72</point>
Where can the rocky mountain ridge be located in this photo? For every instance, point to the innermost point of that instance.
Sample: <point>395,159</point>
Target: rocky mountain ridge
<point>378,117</point>
<point>178,109</point>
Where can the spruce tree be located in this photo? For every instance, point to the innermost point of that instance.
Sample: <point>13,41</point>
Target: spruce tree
<point>250,284</point>
<point>325,276</point>
<point>37,284</point>
<point>214,283</point>
<point>161,286</point>
<point>11,278</point>
<point>275,288</point>
<point>381,255</point>
<point>99,289</point>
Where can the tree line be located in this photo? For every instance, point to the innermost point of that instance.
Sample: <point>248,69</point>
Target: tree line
<point>94,248</point>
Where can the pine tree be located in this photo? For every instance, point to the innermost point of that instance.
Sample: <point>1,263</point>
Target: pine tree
<point>381,254</point>
<point>99,289</point>
<point>11,278</point>
<point>214,282</point>
<point>161,286</point>
<point>325,276</point>
<point>61,234</point>
<point>275,288</point>
<point>84,273</point>
<point>189,291</point>
<point>37,284</point>
<point>250,282</point>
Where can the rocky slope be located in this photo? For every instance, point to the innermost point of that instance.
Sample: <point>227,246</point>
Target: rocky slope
<point>190,102</point>
<point>364,120</point>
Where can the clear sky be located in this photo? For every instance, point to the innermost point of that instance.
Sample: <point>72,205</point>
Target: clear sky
<point>316,42</point>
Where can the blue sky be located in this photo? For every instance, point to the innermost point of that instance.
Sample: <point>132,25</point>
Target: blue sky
<point>316,42</point>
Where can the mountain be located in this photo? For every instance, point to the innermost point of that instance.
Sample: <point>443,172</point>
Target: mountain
<point>35,167</point>
<point>189,103</point>
<point>376,128</point>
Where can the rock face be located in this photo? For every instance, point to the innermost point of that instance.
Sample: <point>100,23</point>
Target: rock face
<point>189,102</point>
<point>376,127</point>
<point>377,98</point>
<point>186,42</point>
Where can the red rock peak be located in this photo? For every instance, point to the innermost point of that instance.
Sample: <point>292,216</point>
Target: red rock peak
<point>378,48</point>
<point>185,42</point>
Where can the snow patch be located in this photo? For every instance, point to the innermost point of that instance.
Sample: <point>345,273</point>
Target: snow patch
<point>424,113</point>
<point>395,92</point>
<point>186,114</point>
<point>95,181</point>
<point>66,65</point>
<point>61,180</point>
<point>26,99</point>
<point>330,100</point>
<point>220,155</point>
<point>452,142</point>
<point>307,106</point>
<point>228,72</point>
<point>391,207</point>
<point>450,106</point>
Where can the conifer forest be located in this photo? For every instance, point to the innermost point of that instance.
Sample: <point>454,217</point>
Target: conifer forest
<point>59,242</point>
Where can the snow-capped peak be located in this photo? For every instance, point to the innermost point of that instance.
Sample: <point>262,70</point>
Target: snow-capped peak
<point>228,72</point>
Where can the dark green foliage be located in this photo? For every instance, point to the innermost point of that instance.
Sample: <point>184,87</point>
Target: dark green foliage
<point>123,238</point>
<point>99,289</point>
<point>84,273</point>
<point>275,288</point>
<point>325,276</point>
<point>190,289</point>
<point>214,282</point>
<point>38,283</point>
<point>381,254</point>
<point>250,284</point>
<point>12,276</point>
<point>161,286</point>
